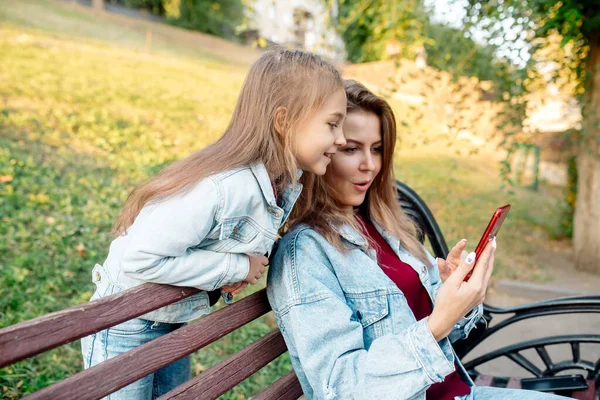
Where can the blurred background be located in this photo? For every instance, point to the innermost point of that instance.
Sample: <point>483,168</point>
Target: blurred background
<point>496,103</point>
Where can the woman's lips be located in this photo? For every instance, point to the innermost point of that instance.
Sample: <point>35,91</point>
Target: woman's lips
<point>362,186</point>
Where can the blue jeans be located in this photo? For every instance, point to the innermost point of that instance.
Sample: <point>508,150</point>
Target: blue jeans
<point>121,338</point>
<point>492,393</point>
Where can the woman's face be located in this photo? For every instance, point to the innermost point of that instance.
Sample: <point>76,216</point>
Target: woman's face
<point>356,164</point>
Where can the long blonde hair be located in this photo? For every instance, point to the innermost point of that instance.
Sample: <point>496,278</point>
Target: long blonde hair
<point>296,82</point>
<point>318,207</point>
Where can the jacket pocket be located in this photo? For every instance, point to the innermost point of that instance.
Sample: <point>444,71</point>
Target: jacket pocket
<point>234,232</point>
<point>371,310</point>
<point>134,326</point>
<point>239,229</point>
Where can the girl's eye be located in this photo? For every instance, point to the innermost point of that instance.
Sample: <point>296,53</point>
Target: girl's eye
<point>350,150</point>
<point>333,126</point>
<point>378,149</point>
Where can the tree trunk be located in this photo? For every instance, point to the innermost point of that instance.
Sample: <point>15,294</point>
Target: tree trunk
<point>98,5</point>
<point>586,235</point>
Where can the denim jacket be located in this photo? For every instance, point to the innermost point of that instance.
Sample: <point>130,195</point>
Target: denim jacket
<point>201,238</point>
<point>348,328</point>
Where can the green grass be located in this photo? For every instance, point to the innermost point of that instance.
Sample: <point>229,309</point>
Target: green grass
<point>86,114</point>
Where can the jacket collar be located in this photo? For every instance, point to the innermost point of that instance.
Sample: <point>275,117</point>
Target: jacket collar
<point>289,196</point>
<point>350,234</point>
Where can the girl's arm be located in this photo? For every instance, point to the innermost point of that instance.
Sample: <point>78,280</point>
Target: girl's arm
<point>163,239</point>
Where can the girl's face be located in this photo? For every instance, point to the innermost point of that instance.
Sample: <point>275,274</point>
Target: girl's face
<point>356,164</point>
<point>320,134</point>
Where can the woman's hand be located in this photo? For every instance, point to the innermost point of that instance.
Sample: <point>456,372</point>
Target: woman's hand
<point>457,297</point>
<point>455,256</point>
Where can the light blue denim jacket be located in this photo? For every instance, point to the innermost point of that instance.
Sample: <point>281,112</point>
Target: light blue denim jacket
<point>201,238</point>
<point>348,328</point>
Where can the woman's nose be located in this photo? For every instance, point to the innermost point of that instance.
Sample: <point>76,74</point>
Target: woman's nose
<point>367,164</point>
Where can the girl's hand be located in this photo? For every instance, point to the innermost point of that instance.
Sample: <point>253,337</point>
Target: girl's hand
<point>456,298</point>
<point>258,266</point>
<point>234,288</point>
<point>455,256</point>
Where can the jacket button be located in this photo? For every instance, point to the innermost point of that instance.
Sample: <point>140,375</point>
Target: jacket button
<point>276,213</point>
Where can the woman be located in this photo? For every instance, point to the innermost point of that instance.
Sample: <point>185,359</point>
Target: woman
<point>352,288</point>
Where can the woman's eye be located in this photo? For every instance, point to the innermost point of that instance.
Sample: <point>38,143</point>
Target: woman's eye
<point>377,149</point>
<point>350,150</point>
<point>333,126</point>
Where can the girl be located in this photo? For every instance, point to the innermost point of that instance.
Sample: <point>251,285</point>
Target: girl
<point>352,288</point>
<point>207,220</point>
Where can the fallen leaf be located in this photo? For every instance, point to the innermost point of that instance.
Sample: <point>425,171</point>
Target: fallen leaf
<point>6,178</point>
<point>80,249</point>
<point>199,368</point>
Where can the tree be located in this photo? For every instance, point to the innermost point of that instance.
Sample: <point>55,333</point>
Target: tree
<point>379,29</point>
<point>450,49</point>
<point>216,17</point>
<point>577,22</point>
<point>219,18</point>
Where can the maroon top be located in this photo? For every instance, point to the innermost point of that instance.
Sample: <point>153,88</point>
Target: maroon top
<point>407,280</point>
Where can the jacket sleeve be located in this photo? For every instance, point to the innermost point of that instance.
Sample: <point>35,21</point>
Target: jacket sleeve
<point>329,344</point>
<point>463,327</point>
<point>162,247</point>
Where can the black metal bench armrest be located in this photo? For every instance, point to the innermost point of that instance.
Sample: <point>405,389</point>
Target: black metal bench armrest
<point>566,305</point>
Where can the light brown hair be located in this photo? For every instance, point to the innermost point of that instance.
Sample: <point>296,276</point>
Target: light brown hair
<point>318,207</point>
<point>282,88</point>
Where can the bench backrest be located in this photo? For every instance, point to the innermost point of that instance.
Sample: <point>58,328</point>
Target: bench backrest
<point>29,338</point>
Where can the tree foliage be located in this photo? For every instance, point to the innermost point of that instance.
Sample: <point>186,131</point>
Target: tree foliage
<point>369,27</point>
<point>216,17</point>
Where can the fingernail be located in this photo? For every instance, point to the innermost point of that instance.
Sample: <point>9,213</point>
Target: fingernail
<point>463,240</point>
<point>494,243</point>
<point>470,258</point>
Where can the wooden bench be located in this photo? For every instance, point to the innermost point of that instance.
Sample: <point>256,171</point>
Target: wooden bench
<point>29,338</point>
<point>33,337</point>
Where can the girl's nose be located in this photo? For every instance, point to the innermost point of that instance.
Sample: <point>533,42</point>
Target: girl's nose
<point>340,139</point>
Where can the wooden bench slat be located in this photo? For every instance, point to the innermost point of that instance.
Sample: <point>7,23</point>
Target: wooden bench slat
<point>514,383</point>
<point>35,336</point>
<point>286,388</point>
<point>587,394</point>
<point>107,377</point>
<point>222,377</point>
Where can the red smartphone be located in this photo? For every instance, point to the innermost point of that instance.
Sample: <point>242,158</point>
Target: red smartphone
<point>492,229</point>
